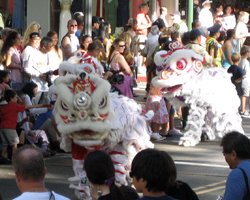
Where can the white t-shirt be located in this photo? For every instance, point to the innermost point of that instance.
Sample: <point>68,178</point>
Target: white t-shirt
<point>229,22</point>
<point>244,64</point>
<point>206,18</point>
<point>40,196</point>
<point>241,30</point>
<point>35,63</point>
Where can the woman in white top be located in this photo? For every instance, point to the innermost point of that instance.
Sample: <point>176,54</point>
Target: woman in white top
<point>12,59</point>
<point>55,54</point>
<point>241,30</point>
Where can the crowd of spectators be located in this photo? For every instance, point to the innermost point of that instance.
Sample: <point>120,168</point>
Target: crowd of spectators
<point>29,66</point>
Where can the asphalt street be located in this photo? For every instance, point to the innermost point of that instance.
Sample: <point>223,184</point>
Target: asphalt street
<point>203,167</point>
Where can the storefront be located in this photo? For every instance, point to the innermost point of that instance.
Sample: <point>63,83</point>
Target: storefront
<point>19,13</point>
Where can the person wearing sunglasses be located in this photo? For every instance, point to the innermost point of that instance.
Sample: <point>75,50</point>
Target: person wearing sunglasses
<point>119,66</point>
<point>70,42</point>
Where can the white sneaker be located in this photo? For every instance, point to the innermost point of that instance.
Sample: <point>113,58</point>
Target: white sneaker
<point>245,114</point>
<point>174,132</point>
<point>157,137</point>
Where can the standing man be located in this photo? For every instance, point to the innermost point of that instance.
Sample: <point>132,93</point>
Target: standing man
<point>30,172</point>
<point>197,10</point>
<point>163,15</point>
<point>70,42</point>
<point>143,25</point>
<point>143,20</point>
<point>206,16</point>
<point>95,27</point>
<point>237,155</point>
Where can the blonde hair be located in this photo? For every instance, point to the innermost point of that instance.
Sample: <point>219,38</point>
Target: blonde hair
<point>242,15</point>
<point>235,57</point>
<point>32,27</point>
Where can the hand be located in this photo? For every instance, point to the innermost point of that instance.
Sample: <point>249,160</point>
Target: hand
<point>43,77</point>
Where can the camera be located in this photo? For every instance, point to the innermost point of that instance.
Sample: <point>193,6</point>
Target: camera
<point>116,78</point>
<point>48,75</point>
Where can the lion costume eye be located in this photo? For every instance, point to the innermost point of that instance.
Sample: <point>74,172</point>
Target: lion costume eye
<point>103,103</point>
<point>64,106</point>
<point>181,64</point>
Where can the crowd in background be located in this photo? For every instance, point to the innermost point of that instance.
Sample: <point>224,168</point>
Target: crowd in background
<point>29,65</point>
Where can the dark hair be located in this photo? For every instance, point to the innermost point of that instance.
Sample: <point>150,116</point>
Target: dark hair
<point>50,34</point>
<point>9,42</point>
<point>45,41</point>
<point>163,39</point>
<point>9,94</point>
<point>230,34</point>
<point>29,88</point>
<point>235,141</point>
<point>228,5</point>
<point>29,163</point>
<point>82,40</point>
<point>3,74</point>
<point>100,170</point>
<point>194,34</point>
<point>222,36</point>
<point>159,23</point>
<point>185,38</point>
<point>151,166</point>
<point>93,46</point>
<point>104,30</point>
<point>79,18</point>
<point>34,34</point>
<point>115,43</point>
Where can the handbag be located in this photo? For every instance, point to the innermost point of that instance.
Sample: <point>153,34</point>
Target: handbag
<point>247,195</point>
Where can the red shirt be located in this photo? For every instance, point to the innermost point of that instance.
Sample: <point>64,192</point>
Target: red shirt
<point>8,115</point>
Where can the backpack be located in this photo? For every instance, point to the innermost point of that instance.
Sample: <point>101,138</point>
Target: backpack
<point>247,195</point>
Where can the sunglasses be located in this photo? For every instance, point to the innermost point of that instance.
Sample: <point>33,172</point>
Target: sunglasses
<point>122,45</point>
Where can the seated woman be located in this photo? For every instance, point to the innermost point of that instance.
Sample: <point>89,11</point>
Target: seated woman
<point>101,174</point>
<point>119,65</point>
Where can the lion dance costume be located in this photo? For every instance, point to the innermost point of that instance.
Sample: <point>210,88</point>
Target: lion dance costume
<point>208,92</point>
<point>89,117</point>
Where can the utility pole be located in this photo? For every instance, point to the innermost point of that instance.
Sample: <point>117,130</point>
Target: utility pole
<point>87,9</point>
<point>190,12</point>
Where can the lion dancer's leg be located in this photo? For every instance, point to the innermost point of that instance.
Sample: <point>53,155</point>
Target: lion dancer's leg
<point>79,181</point>
<point>120,160</point>
<point>193,129</point>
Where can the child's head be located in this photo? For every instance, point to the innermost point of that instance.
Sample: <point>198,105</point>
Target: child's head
<point>30,89</point>
<point>10,95</point>
<point>154,90</point>
<point>4,76</point>
<point>150,171</point>
<point>235,58</point>
<point>99,168</point>
<point>244,51</point>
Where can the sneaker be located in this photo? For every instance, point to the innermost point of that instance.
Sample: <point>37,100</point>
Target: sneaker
<point>174,132</point>
<point>157,137</point>
<point>245,114</point>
